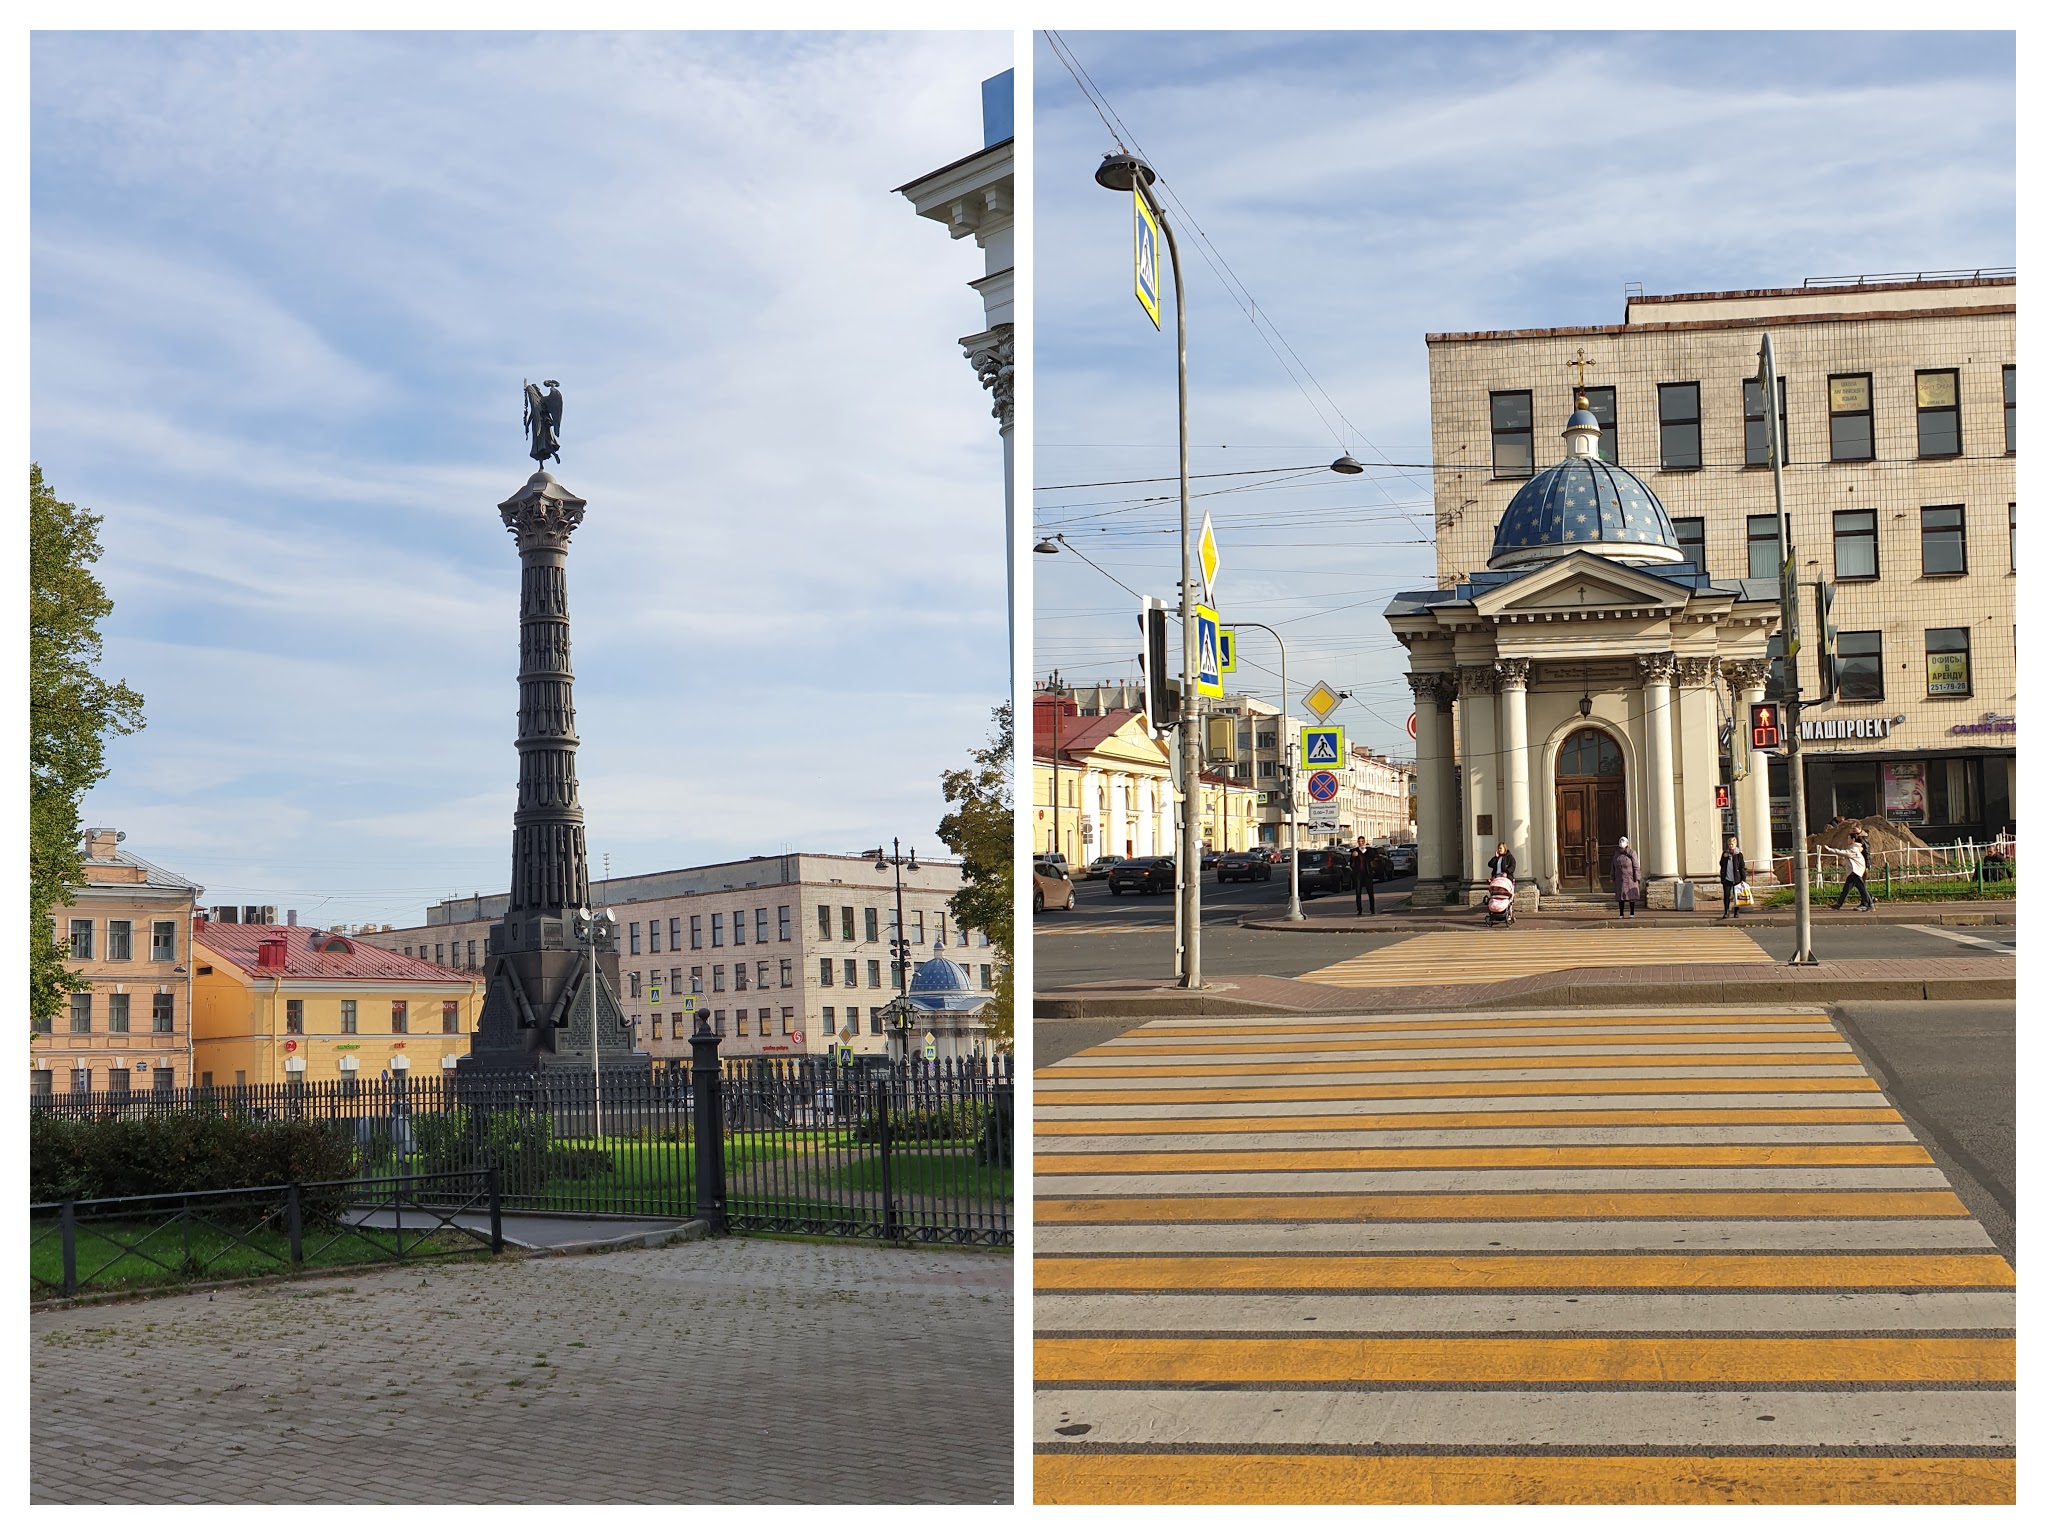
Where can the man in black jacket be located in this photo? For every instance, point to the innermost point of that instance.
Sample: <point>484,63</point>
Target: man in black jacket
<point>1733,873</point>
<point>1365,886</point>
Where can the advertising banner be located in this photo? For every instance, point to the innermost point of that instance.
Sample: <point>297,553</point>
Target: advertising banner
<point>1904,791</point>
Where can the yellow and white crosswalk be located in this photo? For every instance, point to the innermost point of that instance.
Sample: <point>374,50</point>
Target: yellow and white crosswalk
<point>1457,959</point>
<point>1645,1257</point>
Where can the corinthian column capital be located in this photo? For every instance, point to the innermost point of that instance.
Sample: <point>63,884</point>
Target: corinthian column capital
<point>1513,671</point>
<point>993,356</point>
<point>1697,671</point>
<point>1746,676</point>
<point>1658,667</point>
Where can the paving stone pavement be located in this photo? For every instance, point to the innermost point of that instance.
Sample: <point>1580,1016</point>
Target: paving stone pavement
<point>712,1372</point>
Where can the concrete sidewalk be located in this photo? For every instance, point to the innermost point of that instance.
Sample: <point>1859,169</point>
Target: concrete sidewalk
<point>745,1370</point>
<point>1396,915</point>
<point>1772,984</point>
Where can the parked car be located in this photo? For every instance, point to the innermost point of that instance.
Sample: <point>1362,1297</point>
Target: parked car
<point>1324,871</point>
<point>1209,859</point>
<point>1272,854</point>
<point>1250,864</point>
<point>1053,888</point>
<point>1057,860</point>
<point>1103,866</point>
<point>1143,876</point>
<point>1405,858</point>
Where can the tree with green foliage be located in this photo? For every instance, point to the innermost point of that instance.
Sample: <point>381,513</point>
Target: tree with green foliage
<point>982,831</point>
<point>71,712</point>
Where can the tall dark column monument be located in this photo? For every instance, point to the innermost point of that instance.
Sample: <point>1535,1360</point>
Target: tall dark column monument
<point>538,982</point>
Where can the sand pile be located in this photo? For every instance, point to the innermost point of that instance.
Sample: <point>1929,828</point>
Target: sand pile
<point>1884,835</point>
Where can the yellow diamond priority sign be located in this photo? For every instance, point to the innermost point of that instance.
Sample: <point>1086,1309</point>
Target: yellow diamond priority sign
<point>1321,701</point>
<point>1211,558</point>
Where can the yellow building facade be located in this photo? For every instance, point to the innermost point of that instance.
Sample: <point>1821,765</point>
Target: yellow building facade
<point>1229,815</point>
<point>274,1005</point>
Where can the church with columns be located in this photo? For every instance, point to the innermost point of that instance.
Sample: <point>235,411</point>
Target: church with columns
<point>1575,691</point>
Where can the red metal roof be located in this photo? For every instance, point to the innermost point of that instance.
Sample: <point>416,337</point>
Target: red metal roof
<point>1078,734</point>
<point>239,943</point>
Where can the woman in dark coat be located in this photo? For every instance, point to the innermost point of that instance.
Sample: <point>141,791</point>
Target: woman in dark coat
<point>1733,873</point>
<point>1627,879</point>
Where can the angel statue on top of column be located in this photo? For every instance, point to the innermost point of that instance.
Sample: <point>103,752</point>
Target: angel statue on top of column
<point>543,421</point>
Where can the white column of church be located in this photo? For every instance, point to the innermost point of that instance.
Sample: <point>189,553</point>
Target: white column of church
<point>1478,704</point>
<point>1751,803</point>
<point>1431,778</point>
<point>1656,672</point>
<point>1519,826</point>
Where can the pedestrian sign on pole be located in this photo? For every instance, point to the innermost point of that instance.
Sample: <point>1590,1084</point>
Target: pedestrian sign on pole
<point>1323,786</point>
<point>1228,651</point>
<point>689,1006</point>
<point>845,1055</point>
<point>1207,652</point>
<point>1321,701</point>
<point>1211,557</point>
<point>1147,255</point>
<point>653,993</point>
<point>1321,746</point>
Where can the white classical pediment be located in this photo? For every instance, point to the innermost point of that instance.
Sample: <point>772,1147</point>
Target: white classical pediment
<point>1585,583</point>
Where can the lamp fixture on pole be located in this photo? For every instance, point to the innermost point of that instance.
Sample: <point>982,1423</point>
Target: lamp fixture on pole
<point>900,943</point>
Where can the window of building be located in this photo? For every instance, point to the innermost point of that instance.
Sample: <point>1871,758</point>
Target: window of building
<point>696,932</point>
<point>1756,425</point>
<point>696,980</point>
<point>398,1019</point>
<point>164,1081</point>
<point>1851,417</point>
<point>120,939</point>
<point>1765,549</point>
<point>348,1017</point>
<point>788,1020</point>
<point>1858,670</point>
<point>788,972</point>
<point>1603,404</point>
<point>1943,541</point>
<point>717,930</point>
<point>117,1013</point>
<point>760,924</point>
<point>845,923</point>
<point>2010,410</point>
<point>1691,538</point>
<point>632,938</point>
<point>1854,546</point>
<point>873,925</point>
<point>160,1014</point>
<point>1267,769</point>
<point>739,929</point>
<point>81,1079</point>
<point>653,936</point>
<point>717,1023</point>
<point>1267,740</point>
<point>163,942</point>
<point>739,1023</point>
<point>451,1017</point>
<point>782,919</point>
<point>874,974</point>
<point>1512,434</point>
<point>675,983</point>
<point>440,954</point>
<point>827,973</point>
<point>852,972</point>
<point>852,1019</point>
<point>760,976</point>
<point>81,1012</point>
<point>739,976</point>
<point>117,1079</point>
<point>717,977</point>
<point>40,1084</point>
<point>1947,672</point>
<point>916,927</point>
<point>2013,538</point>
<point>408,951</point>
<point>81,938</point>
<point>674,933</point>
<point>294,1015</point>
<point>632,986</point>
<point>1939,413</point>
<point>1677,408</point>
<point>941,925</point>
<point>986,981</point>
<point>895,975</point>
<point>472,954</point>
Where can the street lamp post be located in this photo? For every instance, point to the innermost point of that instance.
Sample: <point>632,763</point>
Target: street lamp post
<point>1293,913</point>
<point>901,943</point>
<point>1121,171</point>
<point>1793,707</point>
<point>1055,686</point>
<point>596,1046</point>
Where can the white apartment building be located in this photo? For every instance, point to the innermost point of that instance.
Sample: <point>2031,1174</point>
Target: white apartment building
<point>786,952</point>
<point>1375,800</point>
<point>1898,402</point>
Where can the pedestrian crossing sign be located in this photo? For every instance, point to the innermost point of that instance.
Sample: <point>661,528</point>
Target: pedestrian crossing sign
<point>1147,256</point>
<point>1321,746</point>
<point>1228,651</point>
<point>1207,652</point>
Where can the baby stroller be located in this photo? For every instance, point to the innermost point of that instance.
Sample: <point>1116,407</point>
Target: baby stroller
<point>1499,901</point>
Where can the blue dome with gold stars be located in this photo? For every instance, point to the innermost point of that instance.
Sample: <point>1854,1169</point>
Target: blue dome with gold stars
<point>1584,503</point>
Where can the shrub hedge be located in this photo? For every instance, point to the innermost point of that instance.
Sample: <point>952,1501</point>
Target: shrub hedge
<point>111,1157</point>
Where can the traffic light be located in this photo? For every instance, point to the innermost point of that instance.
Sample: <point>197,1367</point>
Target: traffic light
<point>1161,694</point>
<point>1829,642</point>
<point>1765,727</point>
<point>1285,795</point>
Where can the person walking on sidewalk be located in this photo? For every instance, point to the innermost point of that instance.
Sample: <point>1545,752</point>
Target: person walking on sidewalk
<point>1857,874</point>
<point>1366,887</point>
<point>1733,873</point>
<point>1627,879</point>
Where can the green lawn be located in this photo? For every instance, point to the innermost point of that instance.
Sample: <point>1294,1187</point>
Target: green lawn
<point>104,1264</point>
<point>938,1174</point>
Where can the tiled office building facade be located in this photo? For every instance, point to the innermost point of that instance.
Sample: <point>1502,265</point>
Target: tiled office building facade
<point>1899,405</point>
<point>785,952</point>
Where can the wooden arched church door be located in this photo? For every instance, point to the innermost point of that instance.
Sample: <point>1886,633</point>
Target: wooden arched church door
<point>1591,809</point>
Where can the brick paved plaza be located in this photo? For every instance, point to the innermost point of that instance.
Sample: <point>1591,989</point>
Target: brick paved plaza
<point>741,1370</point>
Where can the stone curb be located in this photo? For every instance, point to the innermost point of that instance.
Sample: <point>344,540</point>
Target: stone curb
<point>686,1231</point>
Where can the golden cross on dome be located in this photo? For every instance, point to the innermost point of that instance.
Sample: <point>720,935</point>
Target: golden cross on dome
<point>1580,362</point>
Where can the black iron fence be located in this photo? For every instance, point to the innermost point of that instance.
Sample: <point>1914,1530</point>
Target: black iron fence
<point>910,1151</point>
<point>153,1240</point>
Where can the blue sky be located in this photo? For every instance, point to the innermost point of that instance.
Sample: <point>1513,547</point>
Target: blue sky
<point>1367,188</point>
<point>285,289</point>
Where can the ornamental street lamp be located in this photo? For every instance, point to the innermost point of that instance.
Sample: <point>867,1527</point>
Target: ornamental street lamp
<point>900,945</point>
<point>596,1054</point>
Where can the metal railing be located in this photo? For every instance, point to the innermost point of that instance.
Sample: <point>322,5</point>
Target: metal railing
<point>899,1151</point>
<point>1972,869</point>
<point>154,1240</point>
